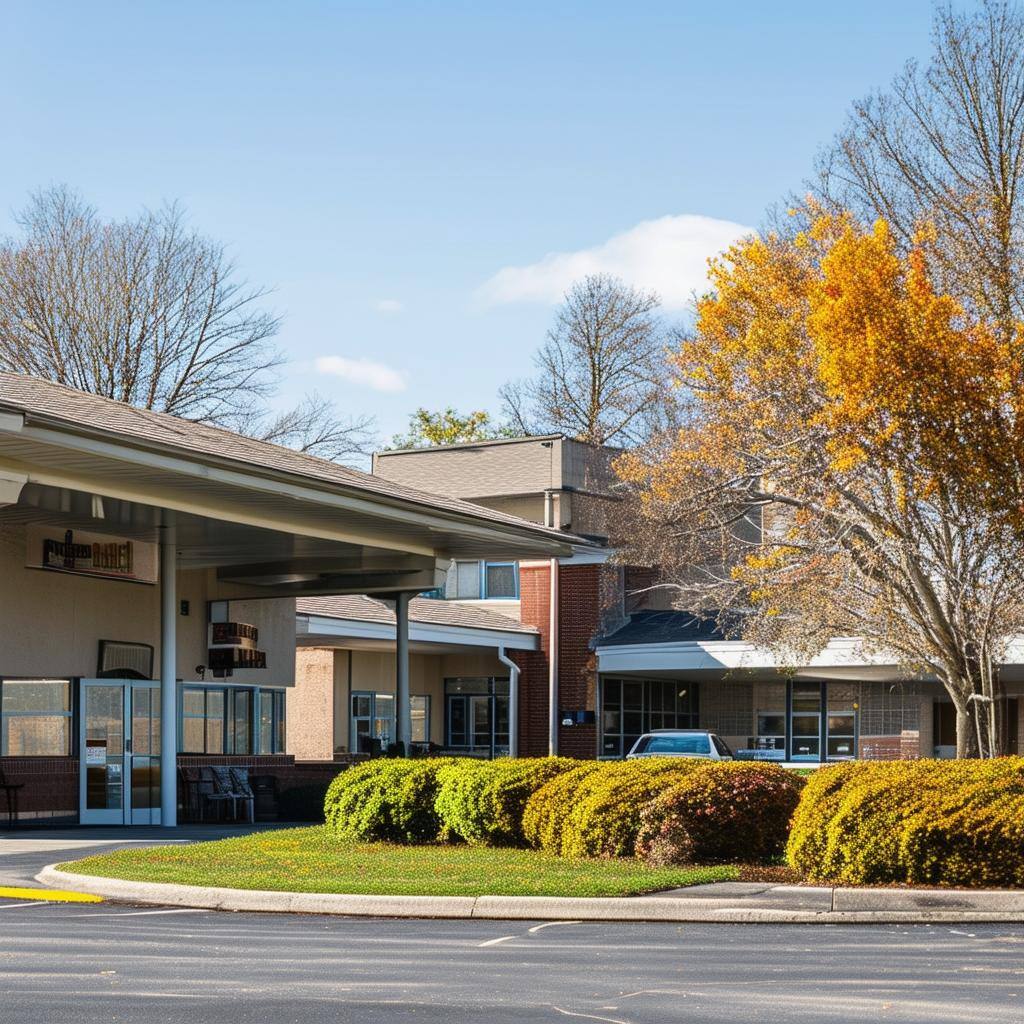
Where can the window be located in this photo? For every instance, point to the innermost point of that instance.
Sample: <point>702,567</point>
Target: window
<point>501,580</point>
<point>476,716</point>
<point>371,722</point>
<point>420,713</point>
<point>698,743</point>
<point>470,581</point>
<point>631,707</point>
<point>35,717</point>
<point>218,720</point>
<point>202,721</point>
<point>271,722</point>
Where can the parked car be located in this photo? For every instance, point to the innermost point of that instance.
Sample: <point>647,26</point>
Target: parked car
<point>681,743</point>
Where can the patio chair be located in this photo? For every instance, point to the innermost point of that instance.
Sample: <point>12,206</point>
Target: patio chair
<point>246,796</point>
<point>227,787</point>
<point>11,790</point>
<point>212,795</point>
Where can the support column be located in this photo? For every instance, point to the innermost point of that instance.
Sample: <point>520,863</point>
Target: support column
<point>168,673</point>
<point>403,711</point>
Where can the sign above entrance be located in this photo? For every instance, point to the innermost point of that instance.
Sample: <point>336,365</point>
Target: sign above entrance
<point>233,645</point>
<point>91,554</point>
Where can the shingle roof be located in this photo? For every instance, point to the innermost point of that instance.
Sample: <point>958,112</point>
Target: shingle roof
<point>361,608</point>
<point>663,628</point>
<point>82,411</point>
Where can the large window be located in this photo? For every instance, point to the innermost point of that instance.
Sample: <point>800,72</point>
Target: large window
<point>631,707</point>
<point>219,720</point>
<point>491,581</point>
<point>476,716</point>
<point>419,710</point>
<point>35,717</point>
<point>271,722</point>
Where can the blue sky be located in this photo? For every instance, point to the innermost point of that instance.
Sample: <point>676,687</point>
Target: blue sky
<point>400,174</point>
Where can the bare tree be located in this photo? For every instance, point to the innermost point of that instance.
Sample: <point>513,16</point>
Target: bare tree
<point>601,373</point>
<point>314,427</point>
<point>945,145</point>
<point>147,311</point>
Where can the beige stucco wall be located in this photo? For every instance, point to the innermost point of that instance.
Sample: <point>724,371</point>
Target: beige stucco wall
<point>310,706</point>
<point>318,722</point>
<point>52,622</point>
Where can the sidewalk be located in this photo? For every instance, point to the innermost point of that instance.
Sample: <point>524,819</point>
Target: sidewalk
<point>726,902</point>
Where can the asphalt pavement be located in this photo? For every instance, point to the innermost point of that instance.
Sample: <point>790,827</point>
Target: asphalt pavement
<point>86,964</point>
<point>70,964</point>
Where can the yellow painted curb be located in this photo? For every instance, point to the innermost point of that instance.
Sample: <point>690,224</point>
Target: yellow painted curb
<point>52,895</point>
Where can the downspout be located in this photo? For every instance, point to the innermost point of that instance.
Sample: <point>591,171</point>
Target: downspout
<point>513,701</point>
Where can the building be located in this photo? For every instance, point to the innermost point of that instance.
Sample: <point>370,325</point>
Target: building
<point>614,660</point>
<point>149,569</point>
<point>463,683</point>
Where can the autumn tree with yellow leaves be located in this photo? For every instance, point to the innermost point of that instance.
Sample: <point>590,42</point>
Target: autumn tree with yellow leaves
<point>823,482</point>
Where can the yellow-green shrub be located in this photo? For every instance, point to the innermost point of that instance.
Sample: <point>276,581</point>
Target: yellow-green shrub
<point>600,812</point>
<point>546,809</point>
<point>721,812</point>
<point>482,801</point>
<point>388,799</point>
<point>933,822</point>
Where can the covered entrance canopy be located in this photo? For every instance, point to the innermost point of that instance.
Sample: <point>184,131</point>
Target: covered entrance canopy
<point>260,520</point>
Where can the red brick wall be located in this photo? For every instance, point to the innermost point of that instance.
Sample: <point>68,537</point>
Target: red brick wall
<point>579,612</point>
<point>535,598</point>
<point>49,786</point>
<point>580,600</point>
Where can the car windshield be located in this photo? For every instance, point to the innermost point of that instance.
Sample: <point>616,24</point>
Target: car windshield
<point>698,743</point>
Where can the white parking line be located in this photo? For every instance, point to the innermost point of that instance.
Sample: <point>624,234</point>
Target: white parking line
<point>589,1016</point>
<point>549,924</point>
<point>14,906</point>
<point>146,913</point>
<point>494,942</point>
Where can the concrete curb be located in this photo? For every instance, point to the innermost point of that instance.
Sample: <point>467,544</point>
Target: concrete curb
<point>848,906</point>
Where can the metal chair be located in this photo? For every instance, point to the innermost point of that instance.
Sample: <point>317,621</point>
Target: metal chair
<point>11,790</point>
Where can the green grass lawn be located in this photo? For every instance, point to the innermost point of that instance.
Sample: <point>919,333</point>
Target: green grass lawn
<point>310,860</point>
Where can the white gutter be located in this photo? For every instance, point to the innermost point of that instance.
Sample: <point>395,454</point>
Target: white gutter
<point>419,632</point>
<point>513,701</point>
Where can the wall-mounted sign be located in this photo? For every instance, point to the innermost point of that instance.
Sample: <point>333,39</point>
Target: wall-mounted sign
<point>114,558</point>
<point>91,554</point>
<point>233,645</point>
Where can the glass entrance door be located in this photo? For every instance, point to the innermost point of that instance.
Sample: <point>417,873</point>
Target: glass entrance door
<point>805,722</point>
<point>119,743</point>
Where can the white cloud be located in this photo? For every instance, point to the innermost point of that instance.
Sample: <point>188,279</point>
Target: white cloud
<point>376,376</point>
<point>388,306</point>
<point>667,255</point>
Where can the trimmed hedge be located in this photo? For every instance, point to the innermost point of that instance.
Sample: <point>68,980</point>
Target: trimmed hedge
<point>546,810</point>
<point>721,812</point>
<point>957,823</point>
<point>482,801</point>
<point>390,799</point>
<point>602,807</point>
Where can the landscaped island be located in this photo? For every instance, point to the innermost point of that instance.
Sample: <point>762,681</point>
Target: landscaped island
<point>560,827</point>
<point>313,860</point>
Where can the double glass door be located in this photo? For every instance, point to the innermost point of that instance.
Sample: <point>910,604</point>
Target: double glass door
<point>822,721</point>
<point>119,741</point>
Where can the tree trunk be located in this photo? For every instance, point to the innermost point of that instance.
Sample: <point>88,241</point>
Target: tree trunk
<point>966,732</point>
